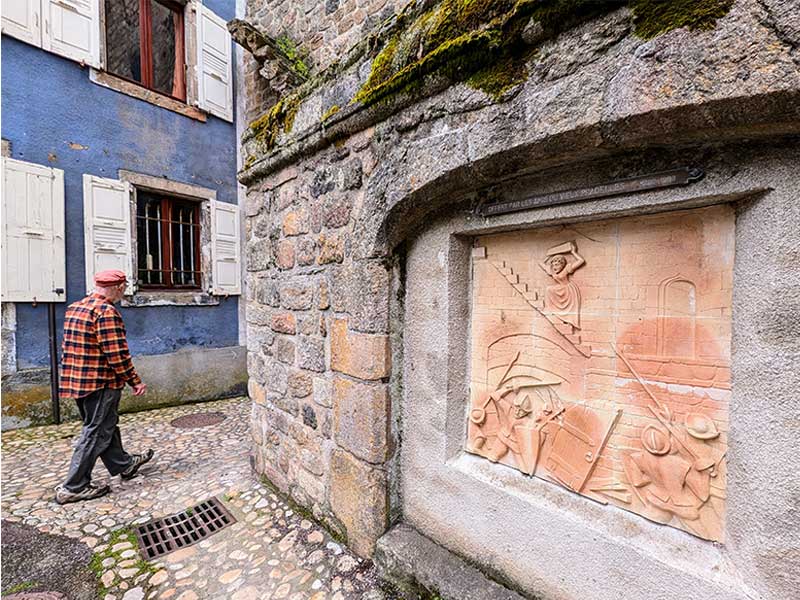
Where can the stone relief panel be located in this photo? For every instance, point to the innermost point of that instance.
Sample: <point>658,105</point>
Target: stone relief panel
<point>600,361</point>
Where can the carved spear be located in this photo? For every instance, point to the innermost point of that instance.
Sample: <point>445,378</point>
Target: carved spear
<point>701,463</point>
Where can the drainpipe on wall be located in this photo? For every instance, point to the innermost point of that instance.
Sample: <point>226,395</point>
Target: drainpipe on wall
<point>51,329</point>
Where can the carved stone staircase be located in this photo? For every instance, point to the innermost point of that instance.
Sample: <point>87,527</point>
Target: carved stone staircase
<point>531,297</point>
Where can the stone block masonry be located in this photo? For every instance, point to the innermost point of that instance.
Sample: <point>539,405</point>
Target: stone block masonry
<point>319,351</point>
<point>360,225</point>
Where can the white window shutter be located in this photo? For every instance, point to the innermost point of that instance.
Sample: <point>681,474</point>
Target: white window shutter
<point>33,233</point>
<point>107,227</point>
<point>72,29</point>
<point>226,249</point>
<point>21,20</point>
<point>214,64</point>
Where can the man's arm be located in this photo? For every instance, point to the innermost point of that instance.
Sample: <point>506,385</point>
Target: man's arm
<point>110,332</point>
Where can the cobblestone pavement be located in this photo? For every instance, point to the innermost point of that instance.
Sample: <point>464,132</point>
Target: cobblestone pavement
<point>271,552</point>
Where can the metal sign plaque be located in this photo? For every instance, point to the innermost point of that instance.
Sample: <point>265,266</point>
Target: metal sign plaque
<point>676,177</point>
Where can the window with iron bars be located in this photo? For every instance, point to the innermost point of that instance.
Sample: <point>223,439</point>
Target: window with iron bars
<point>168,242</point>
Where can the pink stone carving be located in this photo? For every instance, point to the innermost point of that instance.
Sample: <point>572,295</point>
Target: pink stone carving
<point>607,372</point>
<point>563,299</point>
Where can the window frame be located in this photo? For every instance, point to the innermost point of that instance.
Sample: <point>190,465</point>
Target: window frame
<point>167,204</point>
<point>205,199</point>
<point>146,46</point>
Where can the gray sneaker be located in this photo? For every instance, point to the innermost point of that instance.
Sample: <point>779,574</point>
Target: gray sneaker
<point>136,463</point>
<point>90,492</point>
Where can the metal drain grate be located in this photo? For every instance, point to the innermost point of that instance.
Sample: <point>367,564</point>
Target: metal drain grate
<point>202,419</point>
<point>165,535</point>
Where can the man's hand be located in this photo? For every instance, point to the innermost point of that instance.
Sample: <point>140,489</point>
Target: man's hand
<point>139,390</point>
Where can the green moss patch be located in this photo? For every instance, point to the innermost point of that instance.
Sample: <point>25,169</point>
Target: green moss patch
<point>278,119</point>
<point>330,112</point>
<point>495,80</point>
<point>297,58</point>
<point>654,17</point>
<point>474,41</point>
<point>21,587</point>
<point>478,41</point>
<point>125,534</point>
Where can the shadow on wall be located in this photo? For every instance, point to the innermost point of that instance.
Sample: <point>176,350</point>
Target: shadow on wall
<point>190,375</point>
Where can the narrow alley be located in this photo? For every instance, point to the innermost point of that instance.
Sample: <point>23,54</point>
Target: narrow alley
<point>271,551</point>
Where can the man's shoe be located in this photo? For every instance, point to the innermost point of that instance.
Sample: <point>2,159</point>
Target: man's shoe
<point>91,491</point>
<point>138,461</point>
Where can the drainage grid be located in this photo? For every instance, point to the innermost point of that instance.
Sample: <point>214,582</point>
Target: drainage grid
<point>167,534</point>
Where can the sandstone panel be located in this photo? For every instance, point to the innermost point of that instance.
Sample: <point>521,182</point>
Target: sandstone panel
<point>601,361</point>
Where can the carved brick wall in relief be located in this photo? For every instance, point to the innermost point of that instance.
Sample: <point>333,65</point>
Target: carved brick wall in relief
<point>600,360</point>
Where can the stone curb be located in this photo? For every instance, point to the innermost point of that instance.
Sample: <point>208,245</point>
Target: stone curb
<point>421,568</point>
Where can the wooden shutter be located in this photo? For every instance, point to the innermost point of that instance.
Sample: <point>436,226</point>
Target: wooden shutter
<point>21,20</point>
<point>107,226</point>
<point>33,233</point>
<point>225,249</point>
<point>214,64</point>
<point>72,29</point>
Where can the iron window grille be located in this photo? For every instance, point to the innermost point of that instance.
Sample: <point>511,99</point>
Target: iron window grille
<point>168,242</point>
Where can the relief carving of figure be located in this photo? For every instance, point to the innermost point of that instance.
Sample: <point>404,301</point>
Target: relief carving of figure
<point>564,298</point>
<point>666,480</point>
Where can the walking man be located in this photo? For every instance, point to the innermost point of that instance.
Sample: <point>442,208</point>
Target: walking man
<point>95,366</point>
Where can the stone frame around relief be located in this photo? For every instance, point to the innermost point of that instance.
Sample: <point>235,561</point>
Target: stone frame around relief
<point>477,495</point>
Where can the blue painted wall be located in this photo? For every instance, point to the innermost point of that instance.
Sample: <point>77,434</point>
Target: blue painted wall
<point>49,102</point>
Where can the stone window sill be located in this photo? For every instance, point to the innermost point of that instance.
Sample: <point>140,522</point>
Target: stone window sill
<point>156,298</point>
<point>132,89</point>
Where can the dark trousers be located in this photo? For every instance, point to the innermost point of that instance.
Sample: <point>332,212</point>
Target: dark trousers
<point>100,437</point>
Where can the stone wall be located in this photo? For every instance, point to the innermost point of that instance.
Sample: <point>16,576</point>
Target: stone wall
<point>327,29</point>
<point>318,335</point>
<point>337,187</point>
<point>324,30</point>
<point>546,539</point>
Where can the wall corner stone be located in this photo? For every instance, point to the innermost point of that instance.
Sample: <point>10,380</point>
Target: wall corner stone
<point>361,355</point>
<point>359,499</point>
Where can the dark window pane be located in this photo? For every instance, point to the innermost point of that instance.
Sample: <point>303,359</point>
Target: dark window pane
<point>167,53</point>
<point>141,239</point>
<point>183,243</point>
<point>188,247</point>
<point>122,38</point>
<point>148,239</point>
<point>154,260</point>
<point>168,233</point>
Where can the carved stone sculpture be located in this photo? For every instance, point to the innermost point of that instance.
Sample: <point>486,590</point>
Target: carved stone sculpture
<point>279,69</point>
<point>564,297</point>
<point>612,382</point>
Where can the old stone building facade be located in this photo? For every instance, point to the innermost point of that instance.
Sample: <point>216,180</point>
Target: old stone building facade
<point>383,304</point>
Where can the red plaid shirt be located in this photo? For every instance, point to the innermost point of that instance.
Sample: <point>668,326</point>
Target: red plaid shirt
<point>95,352</point>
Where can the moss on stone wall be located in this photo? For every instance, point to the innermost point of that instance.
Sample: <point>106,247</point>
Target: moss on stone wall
<point>279,118</point>
<point>475,40</point>
<point>330,112</point>
<point>297,58</point>
<point>654,17</point>
<point>495,80</point>
<point>480,42</point>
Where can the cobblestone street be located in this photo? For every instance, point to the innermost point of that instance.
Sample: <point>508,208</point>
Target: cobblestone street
<point>271,552</point>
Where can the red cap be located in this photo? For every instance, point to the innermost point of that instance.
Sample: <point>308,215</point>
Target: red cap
<point>109,278</point>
